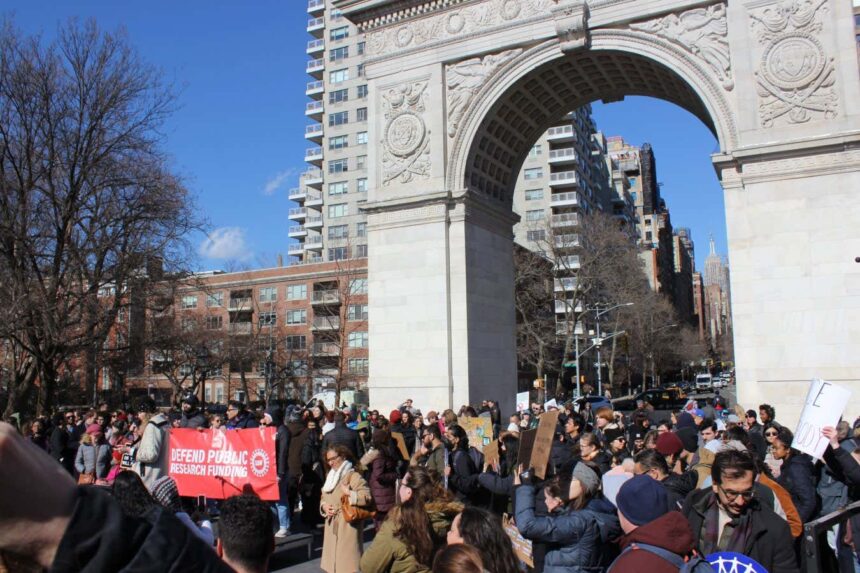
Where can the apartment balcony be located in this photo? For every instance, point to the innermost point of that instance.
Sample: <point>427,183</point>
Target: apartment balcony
<point>314,155</point>
<point>314,243</point>
<point>627,165</point>
<point>316,6</point>
<point>563,179</point>
<point>240,304</point>
<point>315,46</point>
<point>565,306</point>
<point>567,263</point>
<point>325,349</point>
<point>298,194</point>
<point>325,297</point>
<point>316,67</point>
<point>314,199</point>
<point>239,328</point>
<point>568,241</point>
<point>565,155</point>
<point>297,231</point>
<point>314,131</point>
<point>316,27</point>
<point>315,88</point>
<point>561,329</point>
<point>326,323</point>
<point>314,222</point>
<point>565,284</point>
<point>313,178</point>
<point>313,108</point>
<point>298,214</point>
<point>569,199</point>
<point>564,220</point>
<point>296,249</point>
<point>561,133</point>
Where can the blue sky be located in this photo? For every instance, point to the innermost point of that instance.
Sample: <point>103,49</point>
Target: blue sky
<point>238,139</point>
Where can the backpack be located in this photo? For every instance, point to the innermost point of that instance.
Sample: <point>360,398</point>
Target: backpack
<point>692,564</point>
<point>475,455</point>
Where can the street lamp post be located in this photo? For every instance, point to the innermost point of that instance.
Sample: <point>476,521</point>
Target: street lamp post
<point>597,315</point>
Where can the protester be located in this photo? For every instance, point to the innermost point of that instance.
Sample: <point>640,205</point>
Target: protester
<point>415,528</point>
<point>796,474</point>
<point>381,463</point>
<point>483,530</point>
<point>92,461</point>
<point>313,475</point>
<point>342,542</point>
<point>580,526</point>
<point>274,418</point>
<point>238,417</point>
<point>245,534</point>
<point>845,468</point>
<point>458,558</point>
<point>767,414</point>
<point>431,454</point>
<point>590,451</point>
<point>192,417</point>
<point>152,454</point>
<point>461,471</point>
<point>653,533</point>
<point>728,517</point>
<point>771,431</point>
<point>166,494</point>
<point>617,445</point>
<point>131,494</point>
<point>340,435</point>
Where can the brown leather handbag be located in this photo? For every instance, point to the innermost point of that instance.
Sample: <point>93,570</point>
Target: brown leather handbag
<point>87,479</point>
<point>353,514</point>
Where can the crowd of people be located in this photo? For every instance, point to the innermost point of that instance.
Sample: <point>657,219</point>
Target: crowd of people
<point>620,493</point>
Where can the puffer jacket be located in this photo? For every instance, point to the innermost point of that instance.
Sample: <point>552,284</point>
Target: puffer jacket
<point>381,478</point>
<point>577,541</point>
<point>797,475</point>
<point>389,554</point>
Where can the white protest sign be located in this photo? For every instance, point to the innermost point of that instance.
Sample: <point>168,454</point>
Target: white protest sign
<point>551,404</point>
<point>824,405</point>
<point>522,401</point>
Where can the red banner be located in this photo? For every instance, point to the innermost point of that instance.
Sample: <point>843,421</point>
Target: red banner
<point>220,464</point>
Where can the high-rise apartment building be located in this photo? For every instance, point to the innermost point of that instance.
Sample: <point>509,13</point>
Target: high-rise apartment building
<point>328,225</point>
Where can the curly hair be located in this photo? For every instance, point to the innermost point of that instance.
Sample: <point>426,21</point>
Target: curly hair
<point>245,530</point>
<point>133,497</point>
<point>483,530</point>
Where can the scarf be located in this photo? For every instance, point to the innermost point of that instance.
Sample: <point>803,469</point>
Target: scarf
<point>737,530</point>
<point>334,476</point>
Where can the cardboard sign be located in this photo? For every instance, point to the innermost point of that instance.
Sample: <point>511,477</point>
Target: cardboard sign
<point>527,442</point>
<point>491,454</point>
<point>522,546</point>
<point>478,430</point>
<point>522,401</point>
<point>543,442</point>
<point>221,464</point>
<point>401,444</point>
<point>824,405</point>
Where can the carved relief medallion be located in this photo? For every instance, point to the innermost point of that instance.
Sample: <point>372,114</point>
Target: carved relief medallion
<point>406,141</point>
<point>796,78</point>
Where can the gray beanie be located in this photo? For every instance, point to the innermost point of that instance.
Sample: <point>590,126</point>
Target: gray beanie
<point>587,477</point>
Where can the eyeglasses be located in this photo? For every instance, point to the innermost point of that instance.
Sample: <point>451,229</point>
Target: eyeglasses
<point>733,495</point>
<point>772,434</point>
<point>330,459</point>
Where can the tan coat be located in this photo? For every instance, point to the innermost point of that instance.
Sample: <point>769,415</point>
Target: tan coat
<point>342,541</point>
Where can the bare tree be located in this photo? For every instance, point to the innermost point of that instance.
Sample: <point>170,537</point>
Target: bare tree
<point>537,341</point>
<point>89,206</point>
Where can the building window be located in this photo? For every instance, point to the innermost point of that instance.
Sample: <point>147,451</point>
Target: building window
<point>360,47</point>
<point>215,299</point>
<point>187,324</point>
<point>361,114</point>
<point>358,365</point>
<point>338,254</point>
<point>361,91</point>
<point>361,251</point>
<point>359,70</point>
<point>297,316</point>
<point>338,188</point>
<point>297,292</point>
<point>361,162</point>
<point>268,294</point>
<point>535,215</point>
<point>535,236</point>
<point>189,301</point>
<point>298,367</point>
<point>361,229</point>
<point>361,185</point>
<point>358,286</point>
<point>338,166</point>
<point>357,312</point>
<point>268,318</point>
<point>339,210</point>
<point>361,138</point>
<point>648,235</point>
<point>338,142</point>
<point>297,342</point>
<point>121,313</point>
<point>338,76</point>
<point>533,173</point>
<point>214,322</point>
<point>338,53</point>
<point>357,340</point>
<point>185,369</point>
<point>338,96</point>
<point>339,33</point>
<point>631,181</point>
<point>339,118</point>
<point>338,232</point>
<point>536,151</point>
<point>534,194</point>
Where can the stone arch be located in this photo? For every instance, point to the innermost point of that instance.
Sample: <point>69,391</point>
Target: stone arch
<point>530,92</point>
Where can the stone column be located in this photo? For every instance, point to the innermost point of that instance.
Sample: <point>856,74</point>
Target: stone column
<point>441,296</point>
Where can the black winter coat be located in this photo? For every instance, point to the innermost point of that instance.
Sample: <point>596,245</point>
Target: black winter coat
<point>194,419</point>
<point>463,481</point>
<point>298,434</point>
<point>282,450</point>
<point>797,475</point>
<point>242,421</point>
<point>678,487</point>
<point>340,435</point>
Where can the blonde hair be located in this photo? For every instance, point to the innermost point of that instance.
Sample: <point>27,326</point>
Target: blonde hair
<point>606,413</point>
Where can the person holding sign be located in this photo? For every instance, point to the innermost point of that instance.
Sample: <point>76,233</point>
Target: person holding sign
<point>581,525</point>
<point>796,474</point>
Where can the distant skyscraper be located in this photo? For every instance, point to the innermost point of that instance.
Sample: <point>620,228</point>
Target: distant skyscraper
<point>716,271</point>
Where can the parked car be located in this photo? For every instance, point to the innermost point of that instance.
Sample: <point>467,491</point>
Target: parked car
<point>595,401</point>
<point>667,399</point>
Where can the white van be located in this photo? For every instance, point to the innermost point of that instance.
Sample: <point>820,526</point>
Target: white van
<point>704,382</point>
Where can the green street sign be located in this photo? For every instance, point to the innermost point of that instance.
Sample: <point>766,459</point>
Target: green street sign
<point>569,364</point>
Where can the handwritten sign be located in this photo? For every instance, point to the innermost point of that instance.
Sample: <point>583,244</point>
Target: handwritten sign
<point>478,430</point>
<point>824,405</point>
<point>527,442</point>
<point>491,454</point>
<point>543,443</point>
<point>522,401</point>
<point>522,546</point>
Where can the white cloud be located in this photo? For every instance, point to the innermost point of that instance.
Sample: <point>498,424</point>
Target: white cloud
<point>277,182</point>
<point>226,243</point>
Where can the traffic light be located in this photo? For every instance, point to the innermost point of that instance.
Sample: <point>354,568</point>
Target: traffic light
<point>538,383</point>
